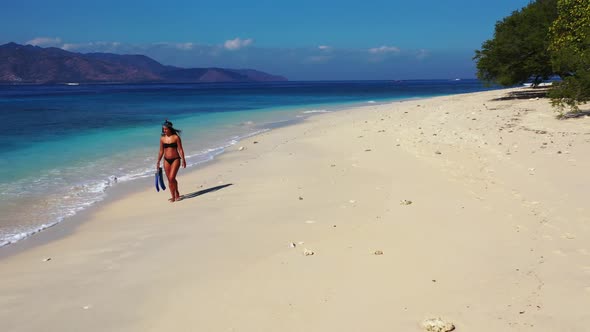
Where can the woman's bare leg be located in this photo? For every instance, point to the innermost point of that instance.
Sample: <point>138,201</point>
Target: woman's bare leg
<point>167,169</point>
<point>171,172</point>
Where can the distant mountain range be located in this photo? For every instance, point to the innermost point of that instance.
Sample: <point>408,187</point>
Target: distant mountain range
<point>26,64</point>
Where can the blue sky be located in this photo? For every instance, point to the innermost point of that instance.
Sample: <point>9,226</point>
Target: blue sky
<point>302,40</point>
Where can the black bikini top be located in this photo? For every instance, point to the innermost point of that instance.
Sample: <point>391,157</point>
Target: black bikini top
<point>170,145</point>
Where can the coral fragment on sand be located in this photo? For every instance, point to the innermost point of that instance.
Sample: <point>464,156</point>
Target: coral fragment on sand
<point>437,325</point>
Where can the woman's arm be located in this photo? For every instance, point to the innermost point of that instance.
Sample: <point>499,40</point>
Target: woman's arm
<point>160,154</point>
<point>181,152</point>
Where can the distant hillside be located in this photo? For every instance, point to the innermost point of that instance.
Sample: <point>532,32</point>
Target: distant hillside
<point>26,64</point>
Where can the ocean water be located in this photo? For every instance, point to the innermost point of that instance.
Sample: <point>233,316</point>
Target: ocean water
<point>63,146</point>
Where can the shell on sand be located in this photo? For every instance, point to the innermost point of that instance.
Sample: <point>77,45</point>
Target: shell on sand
<point>437,325</point>
<point>308,252</point>
<point>405,202</point>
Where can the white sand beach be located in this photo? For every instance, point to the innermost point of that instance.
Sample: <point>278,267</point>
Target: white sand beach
<point>472,208</point>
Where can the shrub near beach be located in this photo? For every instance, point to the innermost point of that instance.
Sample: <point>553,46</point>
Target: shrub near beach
<point>547,38</point>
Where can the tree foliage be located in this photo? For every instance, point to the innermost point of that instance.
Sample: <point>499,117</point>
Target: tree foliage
<point>518,51</point>
<point>570,53</point>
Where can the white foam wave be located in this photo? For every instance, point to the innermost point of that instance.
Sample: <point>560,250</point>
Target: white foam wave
<point>316,111</point>
<point>15,237</point>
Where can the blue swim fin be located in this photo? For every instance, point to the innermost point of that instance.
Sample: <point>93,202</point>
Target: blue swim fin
<point>156,181</point>
<point>161,178</point>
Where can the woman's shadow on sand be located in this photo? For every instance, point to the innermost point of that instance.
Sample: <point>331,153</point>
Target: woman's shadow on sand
<point>204,191</point>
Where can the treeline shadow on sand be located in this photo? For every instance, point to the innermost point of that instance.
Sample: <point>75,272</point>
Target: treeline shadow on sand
<point>573,115</point>
<point>525,94</point>
<point>541,92</point>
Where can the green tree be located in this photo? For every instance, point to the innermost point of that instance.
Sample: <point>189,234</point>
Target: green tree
<point>518,51</point>
<point>570,53</point>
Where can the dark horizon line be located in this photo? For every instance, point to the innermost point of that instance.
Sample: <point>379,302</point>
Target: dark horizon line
<point>252,82</point>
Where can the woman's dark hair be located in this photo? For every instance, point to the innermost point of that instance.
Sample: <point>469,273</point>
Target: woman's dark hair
<point>169,125</point>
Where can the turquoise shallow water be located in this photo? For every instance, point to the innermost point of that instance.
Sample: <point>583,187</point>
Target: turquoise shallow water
<point>64,146</point>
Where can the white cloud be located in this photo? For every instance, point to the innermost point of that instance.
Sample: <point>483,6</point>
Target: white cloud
<point>44,41</point>
<point>70,47</point>
<point>99,46</point>
<point>185,46</point>
<point>384,49</point>
<point>422,54</point>
<point>325,47</point>
<point>236,44</point>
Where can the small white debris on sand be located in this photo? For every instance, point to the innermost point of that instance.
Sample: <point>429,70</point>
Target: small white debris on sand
<point>437,325</point>
<point>47,259</point>
<point>405,202</point>
<point>308,252</point>
<point>241,148</point>
<point>310,221</point>
<point>292,245</point>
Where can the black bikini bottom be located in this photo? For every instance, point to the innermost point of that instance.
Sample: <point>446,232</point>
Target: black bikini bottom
<point>170,161</point>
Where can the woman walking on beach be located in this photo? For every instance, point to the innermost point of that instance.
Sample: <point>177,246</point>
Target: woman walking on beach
<point>171,150</point>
